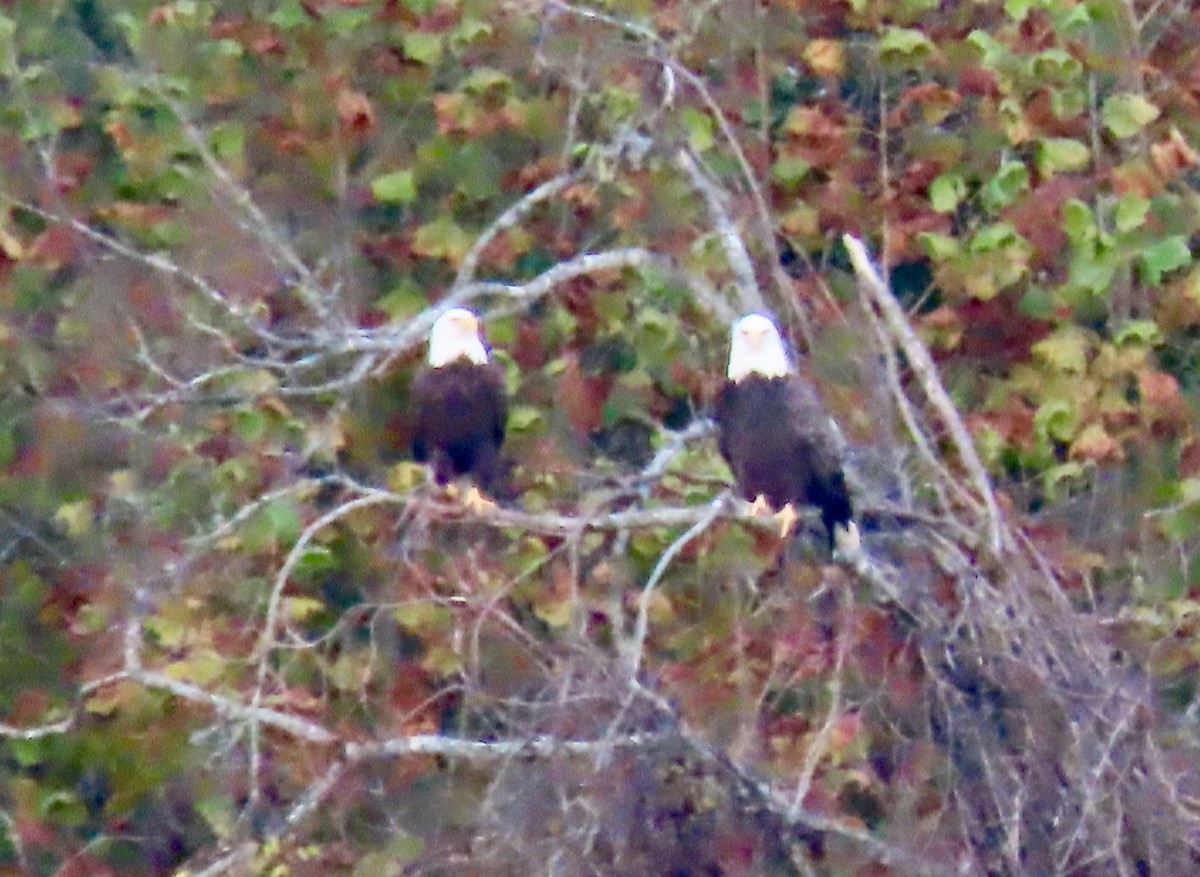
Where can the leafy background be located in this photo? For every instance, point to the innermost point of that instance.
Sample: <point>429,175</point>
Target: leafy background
<point>240,633</point>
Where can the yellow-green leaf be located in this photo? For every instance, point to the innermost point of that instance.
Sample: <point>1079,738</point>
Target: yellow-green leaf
<point>422,47</point>
<point>1166,255</point>
<point>397,187</point>
<point>1126,114</point>
<point>422,616</point>
<point>699,126</point>
<point>1065,349</point>
<point>1061,154</point>
<point>75,517</point>
<point>300,608</point>
<point>947,192</point>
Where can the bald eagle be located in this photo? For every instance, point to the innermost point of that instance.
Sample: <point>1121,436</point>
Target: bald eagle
<point>461,405</point>
<point>771,430</point>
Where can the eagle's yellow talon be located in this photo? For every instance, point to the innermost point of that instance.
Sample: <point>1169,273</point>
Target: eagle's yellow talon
<point>477,502</point>
<point>760,506</point>
<point>787,518</point>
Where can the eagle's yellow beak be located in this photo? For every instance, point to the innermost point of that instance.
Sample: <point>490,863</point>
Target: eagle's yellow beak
<point>465,321</point>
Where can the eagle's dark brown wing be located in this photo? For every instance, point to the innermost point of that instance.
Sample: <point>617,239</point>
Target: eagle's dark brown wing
<point>780,445</point>
<point>461,409</point>
<point>818,441</point>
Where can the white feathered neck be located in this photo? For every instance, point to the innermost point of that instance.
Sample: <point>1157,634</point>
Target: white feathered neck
<point>756,348</point>
<point>455,335</point>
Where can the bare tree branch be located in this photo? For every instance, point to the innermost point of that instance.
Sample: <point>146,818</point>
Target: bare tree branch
<point>922,365</point>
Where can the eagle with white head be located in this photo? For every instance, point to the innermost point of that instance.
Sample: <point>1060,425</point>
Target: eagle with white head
<point>782,448</point>
<point>461,406</point>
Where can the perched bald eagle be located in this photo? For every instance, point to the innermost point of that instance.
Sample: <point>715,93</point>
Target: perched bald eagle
<point>461,405</point>
<point>781,447</point>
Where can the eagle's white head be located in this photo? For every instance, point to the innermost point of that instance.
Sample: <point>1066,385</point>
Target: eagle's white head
<point>455,335</point>
<point>756,348</point>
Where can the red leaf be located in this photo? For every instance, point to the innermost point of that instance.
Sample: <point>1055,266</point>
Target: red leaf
<point>355,113</point>
<point>581,396</point>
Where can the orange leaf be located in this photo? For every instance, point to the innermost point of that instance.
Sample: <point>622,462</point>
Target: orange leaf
<point>1158,388</point>
<point>1173,154</point>
<point>1094,443</point>
<point>825,57</point>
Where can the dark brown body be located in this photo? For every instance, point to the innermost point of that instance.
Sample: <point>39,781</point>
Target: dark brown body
<point>461,410</point>
<point>779,445</point>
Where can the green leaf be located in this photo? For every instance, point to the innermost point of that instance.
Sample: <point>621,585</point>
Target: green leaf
<point>249,424</point>
<point>992,51</point>
<point>441,239</point>
<point>790,169</point>
<point>904,43</point>
<point>1130,212</point>
<point>75,517</point>
<point>406,300</point>
<point>278,522</point>
<point>475,170</point>
<point>994,237</point>
<point>1037,303</point>
<point>26,753</point>
<point>301,608</point>
<point>1055,65</point>
<point>947,192</point>
<point>1057,479</point>
<point>168,631</point>
<point>1061,154</point>
<point>522,417</point>
<point>939,247</point>
<point>1018,9</point>
<point>554,612</point>
<point>1055,420</point>
<point>1009,181</point>
<point>1078,222</point>
<point>1070,20</point>
<point>1065,349</point>
<point>289,14</point>
<point>315,559</point>
<point>422,616</point>
<point>1126,114</point>
<point>1164,256</point>
<point>345,20</point>
<point>1093,269</point>
<point>469,30</point>
<point>700,128</point>
<point>484,79</point>
<point>65,808</point>
<point>424,48</point>
<point>1139,332</point>
<point>285,519</point>
<point>397,187</point>
<point>201,666</point>
<point>228,141</point>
